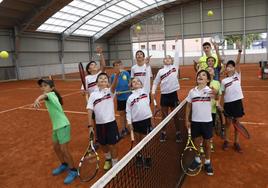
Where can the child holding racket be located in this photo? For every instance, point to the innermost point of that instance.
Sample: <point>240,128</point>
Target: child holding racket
<point>123,91</point>
<point>199,103</point>
<point>142,70</point>
<point>233,95</point>
<point>61,128</point>
<point>139,115</point>
<point>169,84</point>
<point>101,102</point>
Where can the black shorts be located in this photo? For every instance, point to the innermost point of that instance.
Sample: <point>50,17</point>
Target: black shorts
<point>169,99</point>
<point>107,133</point>
<point>142,127</point>
<point>204,129</point>
<point>234,109</point>
<point>121,105</point>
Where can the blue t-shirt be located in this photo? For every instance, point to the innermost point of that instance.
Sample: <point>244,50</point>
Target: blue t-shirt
<point>122,85</point>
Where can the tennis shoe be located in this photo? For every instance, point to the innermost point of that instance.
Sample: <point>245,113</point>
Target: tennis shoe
<point>208,168</point>
<point>238,148</point>
<point>178,137</point>
<point>147,162</point>
<point>107,164</point>
<point>60,169</point>
<point>139,161</point>
<point>163,137</point>
<point>71,177</point>
<point>225,145</point>
<point>195,165</point>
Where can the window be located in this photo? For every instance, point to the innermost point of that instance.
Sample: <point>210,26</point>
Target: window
<point>143,47</point>
<point>153,47</point>
<point>173,47</point>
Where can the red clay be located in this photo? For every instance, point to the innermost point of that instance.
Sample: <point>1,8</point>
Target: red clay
<point>27,157</point>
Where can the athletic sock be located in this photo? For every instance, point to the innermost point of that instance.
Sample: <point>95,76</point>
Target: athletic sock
<point>108,156</point>
<point>207,161</point>
<point>114,161</point>
<point>197,159</point>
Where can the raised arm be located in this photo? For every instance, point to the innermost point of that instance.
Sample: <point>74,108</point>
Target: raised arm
<point>114,83</point>
<point>187,114</point>
<point>37,101</point>
<point>216,47</point>
<point>237,62</point>
<point>99,50</point>
<point>155,84</point>
<point>177,53</point>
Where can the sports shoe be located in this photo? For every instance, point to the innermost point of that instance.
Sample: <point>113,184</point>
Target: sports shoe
<point>194,165</point>
<point>107,164</point>
<point>139,160</point>
<point>163,137</point>
<point>147,162</point>
<point>124,132</point>
<point>237,148</point>
<point>212,147</point>
<point>178,137</point>
<point>60,169</point>
<point>202,152</point>
<point>70,177</point>
<point>208,168</point>
<point>225,145</point>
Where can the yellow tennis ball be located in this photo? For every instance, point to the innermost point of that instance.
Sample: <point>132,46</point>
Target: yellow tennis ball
<point>138,27</point>
<point>210,13</point>
<point>4,55</point>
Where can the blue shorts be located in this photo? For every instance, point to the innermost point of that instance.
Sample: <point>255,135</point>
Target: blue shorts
<point>107,134</point>
<point>204,129</point>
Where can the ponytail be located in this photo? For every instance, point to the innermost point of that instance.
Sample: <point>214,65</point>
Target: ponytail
<point>59,96</point>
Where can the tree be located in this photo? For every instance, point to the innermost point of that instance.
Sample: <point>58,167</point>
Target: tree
<point>250,38</point>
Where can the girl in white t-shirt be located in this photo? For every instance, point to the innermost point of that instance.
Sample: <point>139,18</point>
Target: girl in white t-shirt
<point>101,102</point>
<point>139,116</point>
<point>199,103</point>
<point>233,95</point>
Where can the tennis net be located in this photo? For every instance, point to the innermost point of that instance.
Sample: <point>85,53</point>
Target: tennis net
<point>164,168</point>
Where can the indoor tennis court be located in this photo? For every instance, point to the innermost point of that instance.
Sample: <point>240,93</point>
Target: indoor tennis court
<point>44,39</point>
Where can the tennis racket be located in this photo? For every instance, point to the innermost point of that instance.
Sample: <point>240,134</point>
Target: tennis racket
<point>219,40</point>
<point>82,75</point>
<point>238,126</point>
<point>156,115</point>
<point>219,127</point>
<point>89,163</point>
<point>123,92</point>
<point>188,156</point>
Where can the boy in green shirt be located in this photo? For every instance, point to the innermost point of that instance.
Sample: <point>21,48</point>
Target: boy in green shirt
<point>61,128</point>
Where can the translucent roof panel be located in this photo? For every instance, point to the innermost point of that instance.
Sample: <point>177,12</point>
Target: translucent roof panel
<point>96,17</point>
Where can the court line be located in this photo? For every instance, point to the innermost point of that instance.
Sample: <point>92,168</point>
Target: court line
<point>66,95</point>
<point>253,123</point>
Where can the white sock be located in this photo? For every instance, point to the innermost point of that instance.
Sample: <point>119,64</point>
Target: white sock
<point>114,161</point>
<point>207,161</point>
<point>197,159</point>
<point>108,155</point>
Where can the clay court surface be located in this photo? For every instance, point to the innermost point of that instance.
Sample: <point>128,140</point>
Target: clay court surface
<point>27,156</point>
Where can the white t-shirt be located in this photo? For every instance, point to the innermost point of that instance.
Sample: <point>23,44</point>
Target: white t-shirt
<point>102,103</point>
<point>91,82</point>
<point>201,104</point>
<point>138,106</point>
<point>232,88</point>
<point>144,73</point>
<point>168,76</point>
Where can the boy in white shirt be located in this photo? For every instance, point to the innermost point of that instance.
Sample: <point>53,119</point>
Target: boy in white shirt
<point>169,85</point>
<point>100,101</point>
<point>139,116</point>
<point>142,70</point>
<point>233,95</point>
<point>199,103</point>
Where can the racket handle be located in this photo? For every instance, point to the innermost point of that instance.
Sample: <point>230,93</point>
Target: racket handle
<point>155,103</point>
<point>132,135</point>
<point>189,131</point>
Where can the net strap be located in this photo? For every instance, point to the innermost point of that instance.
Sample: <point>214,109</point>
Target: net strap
<point>106,178</point>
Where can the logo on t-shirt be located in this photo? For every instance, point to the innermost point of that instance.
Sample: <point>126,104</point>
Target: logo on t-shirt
<point>230,83</point>
<point>142,96</point>
<point>168,73</point>
<point>108,96</point>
